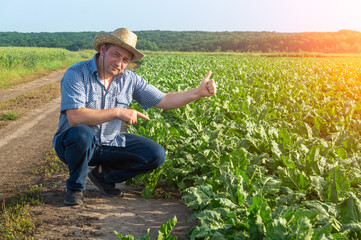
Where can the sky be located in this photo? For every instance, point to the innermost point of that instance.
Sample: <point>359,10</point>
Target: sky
<point>180,15</point>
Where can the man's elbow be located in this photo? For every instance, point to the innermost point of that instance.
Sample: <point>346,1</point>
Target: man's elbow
<point>71,122</point>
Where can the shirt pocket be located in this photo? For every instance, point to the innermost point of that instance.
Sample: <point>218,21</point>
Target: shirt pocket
<point>92,100</point>
<point>122,102</point>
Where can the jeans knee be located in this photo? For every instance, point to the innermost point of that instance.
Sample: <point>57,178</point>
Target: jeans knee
<point>159,157</point>
<point>82,136</point>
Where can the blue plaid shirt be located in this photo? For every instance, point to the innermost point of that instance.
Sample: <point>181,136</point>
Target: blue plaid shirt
<point>82,87</point>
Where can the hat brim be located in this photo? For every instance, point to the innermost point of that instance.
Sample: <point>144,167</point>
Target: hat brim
<point>111,38</point>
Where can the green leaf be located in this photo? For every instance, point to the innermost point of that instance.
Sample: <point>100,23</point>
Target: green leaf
<point>293,179</point>
<point>126,237</point>
<point>233,185</point>
<point>350,212</point>
<point>318,184</point>
<point>260,216</point>
<point>336,183</point>
<point>283,211</point>
<point>323,233</point>
<point>218,236</point>
<point>309,131</point>
<point>312,163</point>
<point>275,149</point>
<point>341,153</point>
<point>200,232</point>
<point>326,211</point>
<point>146,192</point>
<point>166,229</point>
<point>198,197</point>
<point>352,227</point>
<point>304,229</point>
<point>239,158</point>
<point>219,202</point>
<point>130,237</point>
<point>210,218</point>
<point>278,229</point>
<point>271,184</point>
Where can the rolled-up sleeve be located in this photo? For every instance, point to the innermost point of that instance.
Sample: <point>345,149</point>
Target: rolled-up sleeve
<point>146,94</point>
<point>72,90</point>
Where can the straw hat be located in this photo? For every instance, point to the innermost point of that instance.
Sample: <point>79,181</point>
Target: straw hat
<point>122,37</point>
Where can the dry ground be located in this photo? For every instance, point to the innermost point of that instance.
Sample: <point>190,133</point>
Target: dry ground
<point>24,143</point>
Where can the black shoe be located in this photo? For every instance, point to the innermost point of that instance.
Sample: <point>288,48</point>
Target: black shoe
<point>107,189</point>
<point>73,198</point>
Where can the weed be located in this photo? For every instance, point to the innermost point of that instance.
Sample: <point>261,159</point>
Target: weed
<point>9,116</point>
<point>15,220</point>
<point>163,233</point>
<point>50,166</point>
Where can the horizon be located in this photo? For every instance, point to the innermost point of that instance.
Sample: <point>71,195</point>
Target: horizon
<point>282,16</point>
<point>193,31</point>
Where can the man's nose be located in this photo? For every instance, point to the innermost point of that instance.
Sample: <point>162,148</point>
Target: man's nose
<point>118,61</point>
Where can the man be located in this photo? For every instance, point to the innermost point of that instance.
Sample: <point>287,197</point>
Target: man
<point>95,99</point>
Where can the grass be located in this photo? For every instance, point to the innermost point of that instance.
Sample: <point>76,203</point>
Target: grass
<point>23,64</point>
<point>9,116</point>
<point>51,166</point>
<point>15,216</point>
<point>15,219</point>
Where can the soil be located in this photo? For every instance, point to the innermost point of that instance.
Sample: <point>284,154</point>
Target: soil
<point>25,142</point>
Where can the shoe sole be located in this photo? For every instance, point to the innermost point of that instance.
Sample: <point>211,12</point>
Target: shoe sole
<point>79,201</point>
<point>99,186</point>
<point>72,203</point>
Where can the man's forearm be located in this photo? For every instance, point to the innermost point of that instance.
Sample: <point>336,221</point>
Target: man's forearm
<point>179,99</point>
<point>90,117</point>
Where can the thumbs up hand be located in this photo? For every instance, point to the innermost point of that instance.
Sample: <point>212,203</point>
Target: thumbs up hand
<point>208,86</point>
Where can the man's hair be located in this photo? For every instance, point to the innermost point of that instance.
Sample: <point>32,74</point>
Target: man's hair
<point>108,45</point>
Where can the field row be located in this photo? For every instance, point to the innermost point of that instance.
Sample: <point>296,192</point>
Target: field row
<point>22,64</point>
<point>275,155</point>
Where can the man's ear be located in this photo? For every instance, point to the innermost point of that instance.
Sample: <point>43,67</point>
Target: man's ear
<point>102,49</point>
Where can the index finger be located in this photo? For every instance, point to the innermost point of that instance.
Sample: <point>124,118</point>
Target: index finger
<point>139,114</point>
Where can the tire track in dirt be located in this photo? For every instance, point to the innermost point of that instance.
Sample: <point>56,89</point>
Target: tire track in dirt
<point>20,128</point>
<point>24,142</point>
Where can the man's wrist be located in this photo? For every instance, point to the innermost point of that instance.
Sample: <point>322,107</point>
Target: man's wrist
<point>197,93</point>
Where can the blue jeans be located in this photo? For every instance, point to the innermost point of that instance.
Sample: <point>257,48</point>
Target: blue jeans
<point>77,148</point>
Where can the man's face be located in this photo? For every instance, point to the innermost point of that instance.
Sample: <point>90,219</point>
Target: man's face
<point>116,59</point>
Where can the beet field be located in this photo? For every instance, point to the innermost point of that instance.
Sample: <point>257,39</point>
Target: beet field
<point>274,155</point>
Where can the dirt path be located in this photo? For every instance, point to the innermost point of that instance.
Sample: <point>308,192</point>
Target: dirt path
<point>24,142</point>
<point>6,94</point>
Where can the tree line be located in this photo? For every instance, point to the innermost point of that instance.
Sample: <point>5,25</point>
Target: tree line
<point>344,41</point>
